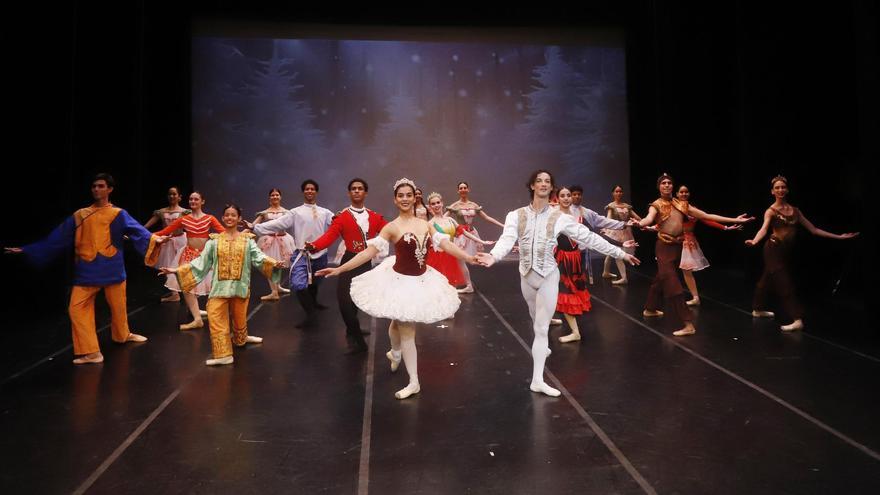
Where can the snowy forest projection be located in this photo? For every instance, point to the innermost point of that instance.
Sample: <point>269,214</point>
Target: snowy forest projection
<point>273,112</point>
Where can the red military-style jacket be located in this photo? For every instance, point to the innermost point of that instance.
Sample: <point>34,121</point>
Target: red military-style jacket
<point>344,224</point>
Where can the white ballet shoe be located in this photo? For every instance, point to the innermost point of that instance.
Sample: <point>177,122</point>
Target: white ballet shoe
<point>622,281</point>
<point>219,361</point>
<point>572,337</point>
<point>795,325</point>
<point>394,357</point>
<point>555,321</point>
<point>253,339</point>
<point>270,297</point>
<point>174,297</point>
<point>93,358</point>
<point>688,329</point>
<point>608,275</point>
<point>652,314</point>
<point>203,313</point>
<point>283,290</point>
<point>411,389</point>
<point>693,302</point>
<point>133,337</point>
<point>544,389</point>
<point>762,314</point>
<point>466,290</point>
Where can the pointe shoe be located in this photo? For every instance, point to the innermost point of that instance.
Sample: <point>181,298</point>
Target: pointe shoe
<point>572,337</point>
<point>133,337</point>
<point>687,330</point>
<point>193,325</point>
<point>622,281</point>
<point>93,358</point>
<point>270,297</point>
<point>762,314</point>
<point>203,313</point>
<point>171,298</point>
<point>693,302</point>
<point>608,275</point>
<point>253,339</point>
<point>411,389</point>
<point>555,321</point>
<point>219,361</point>
<point>394,358</point>
<point>544,389</point>
<point>652,313</point>
<point>795,325</point>
<point>466,290</point>
<point>283,290</point>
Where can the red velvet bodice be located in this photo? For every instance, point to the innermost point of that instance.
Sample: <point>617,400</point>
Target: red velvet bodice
<point>411,254</point>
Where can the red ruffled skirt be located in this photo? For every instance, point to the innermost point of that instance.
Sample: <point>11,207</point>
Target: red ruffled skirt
<point>574,298</point>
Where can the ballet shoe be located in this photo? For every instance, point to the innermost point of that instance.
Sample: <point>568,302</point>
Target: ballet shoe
<point>544,389</point>
<point>621,281</point>
<point>652,313</point>
<point>608,275</point>
<point>219,361</point>
<point>762,314</point>
<point>572,337</point>
<point>193,325</point>
<point>688,329</point>
<point>253,339</point>
<point>283,290</point>
<point>693,302</point>
<point>270,297</point>
<point>795,325</point>
<point>93,358</point>
<point>466,290</point>
<point>175,297</point>
<point>203,313</point>
<point>411,389</point>
<point>133,337</point>
<point>555,321</point>
<point>394,358</point>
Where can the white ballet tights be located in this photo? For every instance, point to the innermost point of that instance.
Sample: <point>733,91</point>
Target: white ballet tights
<point>403,341</point>
<point>540,294</point>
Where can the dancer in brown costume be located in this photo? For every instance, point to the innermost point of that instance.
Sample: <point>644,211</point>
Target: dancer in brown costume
<point>670,214</point>
<point>783,219</point>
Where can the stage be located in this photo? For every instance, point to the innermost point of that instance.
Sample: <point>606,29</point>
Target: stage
<point>740,407</point>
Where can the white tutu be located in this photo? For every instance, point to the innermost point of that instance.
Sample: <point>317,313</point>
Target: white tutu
<point>468,245</point>
<point>277,247</point>
<point>384,293</point>
<point>169,253</point>
<point>691,255</point>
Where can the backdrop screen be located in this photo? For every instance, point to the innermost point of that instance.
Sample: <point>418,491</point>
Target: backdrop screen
<point>271,112</point>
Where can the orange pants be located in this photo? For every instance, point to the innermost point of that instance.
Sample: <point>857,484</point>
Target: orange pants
<point>219,309</point>
<point>82,316</point>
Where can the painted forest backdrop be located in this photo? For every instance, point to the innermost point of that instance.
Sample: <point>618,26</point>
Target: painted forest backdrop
<point>273,112</point>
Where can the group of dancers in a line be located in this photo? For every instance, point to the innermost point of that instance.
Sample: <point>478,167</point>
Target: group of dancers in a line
<point>433,245</point>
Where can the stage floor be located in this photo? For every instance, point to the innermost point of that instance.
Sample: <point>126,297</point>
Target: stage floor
<point>740,407</point>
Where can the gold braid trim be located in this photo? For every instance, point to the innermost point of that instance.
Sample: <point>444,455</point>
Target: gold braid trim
<point>230,257</point>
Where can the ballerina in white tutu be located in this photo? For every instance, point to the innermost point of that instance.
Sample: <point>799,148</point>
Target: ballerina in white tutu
<point>403,288</point>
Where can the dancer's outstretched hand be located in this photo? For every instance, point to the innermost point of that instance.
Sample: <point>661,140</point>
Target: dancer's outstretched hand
<point>161,238</point>
<point>652,228</point>
<point>750,242</point>
<point>12,250</point>
<point>488,243</point>
<point>309,247</point>
<point>279,264</point>
<point>849,235</point>
<point>632,260</point>
<point>630,243</point>
<point>166,271</point>
<point>733,227</point>
<point>485,259</point>
<point>327,272</point>
<point>744,218</point>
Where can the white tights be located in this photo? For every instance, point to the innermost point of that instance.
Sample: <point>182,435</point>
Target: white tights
<point>540,294</point>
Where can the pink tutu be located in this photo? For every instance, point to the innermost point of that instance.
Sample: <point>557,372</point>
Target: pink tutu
<point>279,247</point>
<point>691,255</point>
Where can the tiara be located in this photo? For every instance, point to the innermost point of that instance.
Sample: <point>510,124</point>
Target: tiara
<point>404,181</point>
<point>779,177</point>
<point>434,194</point>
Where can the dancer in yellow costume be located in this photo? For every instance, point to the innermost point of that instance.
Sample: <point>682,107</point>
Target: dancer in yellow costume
<point>231,256</point>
